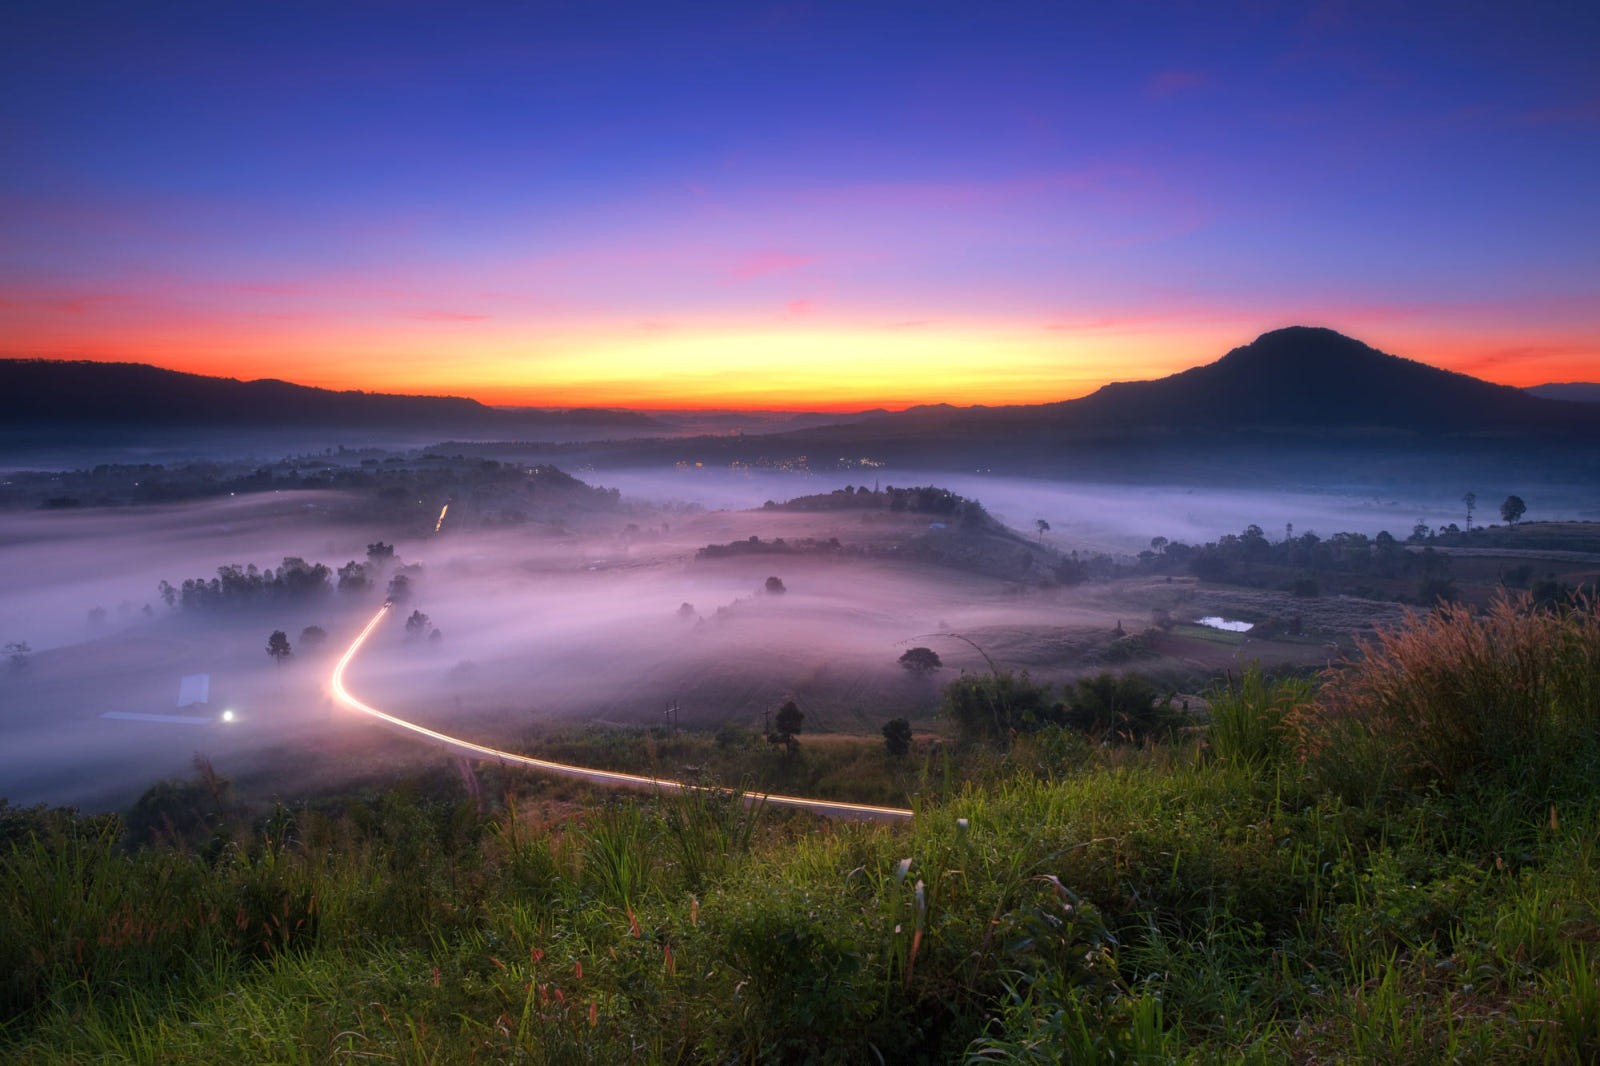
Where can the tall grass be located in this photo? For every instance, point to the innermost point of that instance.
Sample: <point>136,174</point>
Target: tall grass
<point>1455,696</point>
<point>1250,718</point>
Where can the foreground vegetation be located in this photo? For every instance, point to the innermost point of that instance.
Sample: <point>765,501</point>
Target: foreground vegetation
<point>1399,864</point>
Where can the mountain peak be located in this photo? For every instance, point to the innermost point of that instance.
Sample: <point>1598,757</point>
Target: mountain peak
<point>1311,377</point>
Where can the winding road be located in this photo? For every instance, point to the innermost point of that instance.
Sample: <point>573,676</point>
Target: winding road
<point>608,778</point>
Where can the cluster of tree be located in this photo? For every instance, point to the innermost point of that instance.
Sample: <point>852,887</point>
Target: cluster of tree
<point>295,581</point>
<point>993,707</point>
<point>1305,564</point>
<point>777,546</point>
<point>281,651</point>
<point>922,499</point>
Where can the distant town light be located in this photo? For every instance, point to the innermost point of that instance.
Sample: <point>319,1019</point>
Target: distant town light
<point>227,716</point>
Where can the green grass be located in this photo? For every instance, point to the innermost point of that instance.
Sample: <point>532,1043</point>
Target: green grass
<point>1218,899</point>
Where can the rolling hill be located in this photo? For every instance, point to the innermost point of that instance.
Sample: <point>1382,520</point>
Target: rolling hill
<point>48,393</point>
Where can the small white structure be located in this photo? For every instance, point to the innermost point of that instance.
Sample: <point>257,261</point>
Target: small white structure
<point>194,691</point>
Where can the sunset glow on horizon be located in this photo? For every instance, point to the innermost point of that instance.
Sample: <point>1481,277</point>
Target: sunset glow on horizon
<point>823,206</point>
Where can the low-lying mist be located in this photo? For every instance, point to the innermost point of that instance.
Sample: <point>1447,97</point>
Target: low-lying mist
<point>606,614</point>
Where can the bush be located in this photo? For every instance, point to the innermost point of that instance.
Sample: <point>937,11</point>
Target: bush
<point>992,707</point>
<point>1122,708</point>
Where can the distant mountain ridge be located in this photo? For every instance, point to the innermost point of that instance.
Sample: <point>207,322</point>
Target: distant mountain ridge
<point>1571,391</point>
<point>43,392</point>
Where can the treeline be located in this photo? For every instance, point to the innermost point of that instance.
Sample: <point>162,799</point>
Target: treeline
<point>238,587</point>
<point>394,481</point>
<point>924,499</point>
<point>777,546</point>
<point>1380,566</point>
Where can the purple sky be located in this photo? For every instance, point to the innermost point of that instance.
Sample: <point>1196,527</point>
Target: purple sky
<point>795,204</point>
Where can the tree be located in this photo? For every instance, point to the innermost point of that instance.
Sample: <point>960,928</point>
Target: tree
<point>312,636</point>
<point>775,585</point>
<point>921,660</point>
<point>1471,500</point>
<point>353,577</point>
<point>417,625</point>
<point>380,554</point>
<point>399,589</point>
<point>787,726</point>
<point>1513,510</point>
<point>278,646</point>
<point>17,654</point>
<point>1043,527</point>
<point>897,736</point>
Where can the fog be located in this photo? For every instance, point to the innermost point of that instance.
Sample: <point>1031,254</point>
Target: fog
<point>535,625</point>
<point>1098,516</point>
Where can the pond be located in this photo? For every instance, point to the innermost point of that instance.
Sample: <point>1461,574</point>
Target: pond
<point>1231,625</point>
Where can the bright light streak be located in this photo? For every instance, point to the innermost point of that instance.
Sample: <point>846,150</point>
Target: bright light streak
<point>440,524</point>
<point>610,778</point>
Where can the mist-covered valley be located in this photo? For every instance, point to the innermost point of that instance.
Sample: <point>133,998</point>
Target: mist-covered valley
<point>527,599</point>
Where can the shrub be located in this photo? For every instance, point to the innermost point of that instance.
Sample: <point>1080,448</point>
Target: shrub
<point>993,707</point>
<point>1122,708</point>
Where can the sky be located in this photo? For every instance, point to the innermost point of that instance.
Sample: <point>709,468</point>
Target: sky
<point>794,205</point>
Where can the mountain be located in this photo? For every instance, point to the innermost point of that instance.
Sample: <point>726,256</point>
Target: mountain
<point>1297,406</point>
<point>63,394</point>
<point>1297,381</point>
<point>1571,391</point>
<point>1306,378</point>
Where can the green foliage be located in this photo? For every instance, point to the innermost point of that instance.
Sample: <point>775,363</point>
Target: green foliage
<point>1250,718</point>
<point>1117,707</point>
<point>991,708</point>
<point>897,737</point>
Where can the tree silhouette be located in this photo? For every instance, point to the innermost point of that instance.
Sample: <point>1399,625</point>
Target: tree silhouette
<point>1513,510</point>
<point>1043,527</point>
<point>897,736</point>
<point>278,646</point>
<point>775,585</point>
<point>18,654</point>
<point>1471,500</point>
<point>787,726</point>
<point>921,660</point>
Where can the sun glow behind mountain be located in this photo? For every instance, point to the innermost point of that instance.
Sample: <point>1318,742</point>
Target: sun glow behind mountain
<point>827,205</point>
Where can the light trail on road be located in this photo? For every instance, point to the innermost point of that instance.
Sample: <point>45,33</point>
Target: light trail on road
<point>610,778</point>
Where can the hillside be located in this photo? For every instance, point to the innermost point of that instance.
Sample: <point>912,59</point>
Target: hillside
<point>44,393</point>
